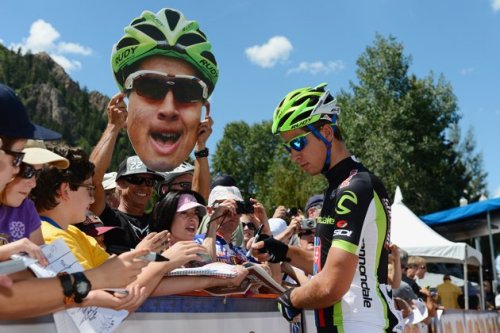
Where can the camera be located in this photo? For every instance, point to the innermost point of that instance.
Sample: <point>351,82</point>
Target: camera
<point>244,207</point>
<point>307,224</point>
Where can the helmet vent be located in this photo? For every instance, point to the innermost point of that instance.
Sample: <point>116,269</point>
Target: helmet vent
<point>172,17</point>
<point>201,33</point>
<point>127,41</point>
<point>190,39</point>
<point>328,99</point>
<point>151,31</point>
<point>210,56</point>
<point>138,20</point>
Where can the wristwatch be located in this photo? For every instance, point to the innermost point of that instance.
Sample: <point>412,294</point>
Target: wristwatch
<point>67,285</point>
<point>201,153</point>
<point>81,286</point>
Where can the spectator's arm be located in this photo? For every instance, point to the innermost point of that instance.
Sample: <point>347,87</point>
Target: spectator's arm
<point>201,174</point>
<point>103,151</point>
<point>37,237</point>
<point>394,279</point>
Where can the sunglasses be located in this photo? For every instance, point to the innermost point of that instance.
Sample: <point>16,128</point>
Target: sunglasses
<point>137,180</point>
<point>249,225</point>
<point>18,157</point>
<point>28,172</point>
<point>155,85</point>
<point>298,143</point>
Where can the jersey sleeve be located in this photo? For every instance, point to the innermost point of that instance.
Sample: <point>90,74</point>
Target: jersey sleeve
<point>350,213</point>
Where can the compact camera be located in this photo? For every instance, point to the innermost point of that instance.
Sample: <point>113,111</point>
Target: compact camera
<point>308,224</point>
<point>244,207</point>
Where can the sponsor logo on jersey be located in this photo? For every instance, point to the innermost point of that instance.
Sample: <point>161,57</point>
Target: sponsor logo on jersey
<point>367,300</point>
<point>342,232</point>
<point>342,224</point>
<point>341,209</point>
<point>325,220</point>
<point>347,181</point>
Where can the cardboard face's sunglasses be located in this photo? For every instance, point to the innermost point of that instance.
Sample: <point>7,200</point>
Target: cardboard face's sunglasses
<point>155,85</point>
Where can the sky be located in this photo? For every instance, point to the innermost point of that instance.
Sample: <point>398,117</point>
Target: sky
<point>267,48</point>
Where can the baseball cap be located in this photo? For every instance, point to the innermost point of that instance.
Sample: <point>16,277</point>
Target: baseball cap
<point>223,180</point>
<point>182,169</point>
<point>109,181</point>
<point>188,201</point>
<point>14,120</point>
<point>277,225</point>
<point>223,193</point>
<point>314,200</point>
<point>37,153</point>
<point>132,166</point>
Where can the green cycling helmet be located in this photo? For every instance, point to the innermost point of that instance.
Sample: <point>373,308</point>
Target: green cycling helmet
<point>303,107</point>
<point>165,33</point>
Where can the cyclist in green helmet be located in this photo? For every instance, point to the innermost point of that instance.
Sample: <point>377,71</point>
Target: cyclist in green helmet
<point>349,291</point>
<point>165,65</point>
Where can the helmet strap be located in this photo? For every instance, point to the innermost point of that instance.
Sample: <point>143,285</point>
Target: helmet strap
<point>328,145</point>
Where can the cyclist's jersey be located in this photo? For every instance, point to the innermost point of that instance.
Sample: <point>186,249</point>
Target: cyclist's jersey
<point>355,218</point>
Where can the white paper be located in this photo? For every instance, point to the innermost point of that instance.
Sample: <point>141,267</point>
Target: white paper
<point>90,319</point>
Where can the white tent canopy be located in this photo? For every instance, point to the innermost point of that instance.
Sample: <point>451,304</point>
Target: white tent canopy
<point>418,239</point>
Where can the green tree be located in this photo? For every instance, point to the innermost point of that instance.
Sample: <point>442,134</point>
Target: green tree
<point>400,125</point>
<point>261,167</point>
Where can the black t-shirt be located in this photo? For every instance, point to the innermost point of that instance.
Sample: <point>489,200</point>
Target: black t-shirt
<point>134,228</point>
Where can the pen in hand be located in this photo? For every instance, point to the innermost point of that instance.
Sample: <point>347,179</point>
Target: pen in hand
<point>255,239</point>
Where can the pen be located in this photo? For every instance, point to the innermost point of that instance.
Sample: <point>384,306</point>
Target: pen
<point>255,240</point>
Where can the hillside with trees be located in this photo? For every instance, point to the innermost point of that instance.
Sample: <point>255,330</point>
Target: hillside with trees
<point>57,102</point>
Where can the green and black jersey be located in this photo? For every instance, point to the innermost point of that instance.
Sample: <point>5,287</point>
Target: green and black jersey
<point>356,218</point>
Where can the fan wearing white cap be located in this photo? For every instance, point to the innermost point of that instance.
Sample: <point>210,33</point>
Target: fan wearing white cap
<point>19,216</point>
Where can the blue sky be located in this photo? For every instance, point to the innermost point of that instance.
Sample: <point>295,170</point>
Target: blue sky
<point>267,48</point>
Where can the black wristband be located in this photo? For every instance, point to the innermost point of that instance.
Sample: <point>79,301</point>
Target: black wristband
<point>66,283</point>
<point>67,286</point>
<point>201,153</point>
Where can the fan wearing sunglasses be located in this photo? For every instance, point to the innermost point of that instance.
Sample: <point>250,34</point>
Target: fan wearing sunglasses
<point>135,184</point>
<point>19,216</point>
<point>165,66</point>
<point>350,258</point>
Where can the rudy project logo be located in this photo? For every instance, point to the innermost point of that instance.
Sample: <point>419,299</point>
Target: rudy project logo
<point>347,181</point>
<point>342,224</point>
<point>347,195</point>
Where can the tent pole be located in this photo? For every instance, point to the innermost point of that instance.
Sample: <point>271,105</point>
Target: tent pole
<point>483,306</point>
<point>466,287</point>
<point>492,253</point>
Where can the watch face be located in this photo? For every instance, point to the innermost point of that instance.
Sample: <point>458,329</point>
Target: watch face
<point>82,287</point>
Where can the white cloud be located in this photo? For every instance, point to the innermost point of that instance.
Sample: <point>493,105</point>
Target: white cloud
<point>276,49</point>
<point>497,193</point>
<point>495,4</point>
<point>44,37</point>
<point>1,41</point>
<point>64,47</point>
<point>67,64</point>
<point>468,70</point>
<point>318,67</point>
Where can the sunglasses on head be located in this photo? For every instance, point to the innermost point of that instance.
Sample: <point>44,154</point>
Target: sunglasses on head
<point>249,225</point>
<point>138,180</point>
<point>28,172</point>
<point>165,188</point>
<point>18,157</point>
<point>155,85</point>
<point>298,143</point>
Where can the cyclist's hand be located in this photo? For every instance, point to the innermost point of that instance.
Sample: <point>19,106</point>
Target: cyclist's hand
<point>288,311</point>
